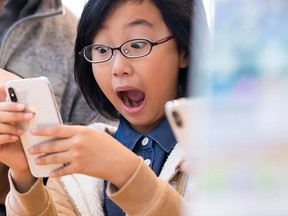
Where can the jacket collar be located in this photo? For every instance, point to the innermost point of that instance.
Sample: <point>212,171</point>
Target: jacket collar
<point>45,8</point>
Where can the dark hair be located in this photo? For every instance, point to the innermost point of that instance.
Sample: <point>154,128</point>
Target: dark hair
<point>176,15</point>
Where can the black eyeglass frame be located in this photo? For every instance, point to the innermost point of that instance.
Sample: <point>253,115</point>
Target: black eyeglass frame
<point>152,44</point>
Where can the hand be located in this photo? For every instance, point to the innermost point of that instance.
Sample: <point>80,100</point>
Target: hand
<point>11,151</point>
<point>4,77</point>
<point>86,151</point>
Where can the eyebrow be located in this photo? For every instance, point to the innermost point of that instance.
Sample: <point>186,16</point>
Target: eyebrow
<point>140,22</point>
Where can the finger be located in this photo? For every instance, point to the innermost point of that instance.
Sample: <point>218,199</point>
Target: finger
<point>10,129</point>
<point>49,147</point>
<point>59,131</point>
<point>6,138</point>
<point>53,158</point>
<point>12,107</point>
<point>10,111</point>
<point>7,117</point>
<point>62,171</point>
<point>57,158</point>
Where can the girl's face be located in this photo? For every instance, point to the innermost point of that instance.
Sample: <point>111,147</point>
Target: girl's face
<point>139,87</point>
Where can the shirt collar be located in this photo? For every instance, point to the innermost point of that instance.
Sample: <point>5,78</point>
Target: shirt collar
<point>162,135</point>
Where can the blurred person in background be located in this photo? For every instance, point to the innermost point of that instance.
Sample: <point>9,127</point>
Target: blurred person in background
<point>37,39</point>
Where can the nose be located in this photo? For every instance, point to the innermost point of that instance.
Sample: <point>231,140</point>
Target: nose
<point>121,65</point>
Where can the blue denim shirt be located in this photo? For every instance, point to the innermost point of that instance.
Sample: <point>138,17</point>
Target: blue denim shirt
<point>153,147</point>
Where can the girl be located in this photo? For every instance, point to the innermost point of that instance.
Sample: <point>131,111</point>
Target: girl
<point>134,59</point>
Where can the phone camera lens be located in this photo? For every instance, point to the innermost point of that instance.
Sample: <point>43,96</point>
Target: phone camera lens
<point>12,94</point>
<point>177,119</point>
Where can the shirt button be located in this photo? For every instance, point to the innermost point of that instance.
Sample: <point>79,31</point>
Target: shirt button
<point>147,162</point>
<point>145,141</point>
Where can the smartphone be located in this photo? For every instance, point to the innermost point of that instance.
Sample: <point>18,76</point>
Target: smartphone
<point>38,96</point>
<point>187,118</point>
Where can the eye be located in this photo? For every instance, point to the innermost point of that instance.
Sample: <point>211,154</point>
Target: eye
<point>138,44</point>
<point>101,49</point>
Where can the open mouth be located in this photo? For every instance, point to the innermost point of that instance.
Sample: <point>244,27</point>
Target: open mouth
<point>132,98</point>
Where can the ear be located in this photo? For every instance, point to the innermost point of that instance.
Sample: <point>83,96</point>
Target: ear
<point>183,59</point>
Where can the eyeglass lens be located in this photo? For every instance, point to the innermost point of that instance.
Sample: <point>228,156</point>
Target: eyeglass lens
<point>130,49</point>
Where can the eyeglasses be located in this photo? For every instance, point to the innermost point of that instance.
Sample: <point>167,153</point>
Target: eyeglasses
<point>135,48</point>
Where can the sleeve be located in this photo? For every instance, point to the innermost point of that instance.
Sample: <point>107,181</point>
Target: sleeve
<point>146,194</point>
<point>38,200</point>
<point>24,204</point>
